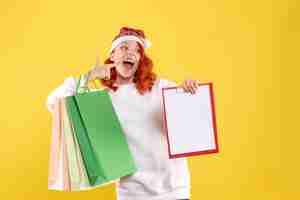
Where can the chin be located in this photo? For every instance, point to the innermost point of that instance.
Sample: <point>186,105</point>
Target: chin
<point>125,75</point>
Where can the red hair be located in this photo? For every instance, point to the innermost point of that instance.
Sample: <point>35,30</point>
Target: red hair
<point>144,76</point>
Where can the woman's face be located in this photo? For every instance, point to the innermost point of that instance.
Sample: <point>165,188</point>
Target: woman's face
<point>126,56</point>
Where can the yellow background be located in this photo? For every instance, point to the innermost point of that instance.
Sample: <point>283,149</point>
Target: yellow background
<point>241,46</point>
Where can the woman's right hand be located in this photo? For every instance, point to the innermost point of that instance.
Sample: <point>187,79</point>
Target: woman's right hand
<point>100,72</point>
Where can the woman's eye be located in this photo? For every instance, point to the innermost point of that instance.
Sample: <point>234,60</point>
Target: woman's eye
<point>126,48</point>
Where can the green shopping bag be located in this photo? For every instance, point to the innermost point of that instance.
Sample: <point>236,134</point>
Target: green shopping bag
<point>103,145</point>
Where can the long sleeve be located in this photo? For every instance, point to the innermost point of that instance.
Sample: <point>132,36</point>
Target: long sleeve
<point>66,89</point>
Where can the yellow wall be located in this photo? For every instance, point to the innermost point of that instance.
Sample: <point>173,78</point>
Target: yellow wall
<point>238,45</point>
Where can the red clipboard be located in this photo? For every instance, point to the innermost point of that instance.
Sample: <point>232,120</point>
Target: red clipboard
<point>199,106</point>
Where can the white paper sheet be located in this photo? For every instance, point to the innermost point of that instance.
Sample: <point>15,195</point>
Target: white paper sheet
<point>190,121</point>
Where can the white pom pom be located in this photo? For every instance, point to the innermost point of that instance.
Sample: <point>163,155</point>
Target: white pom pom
<point>147,43</point>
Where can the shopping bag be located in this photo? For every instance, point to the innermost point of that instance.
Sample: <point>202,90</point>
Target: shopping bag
<point>78,178</point>
<point>53,174</point>
<point>58,177</point>
<point>66,169</point>
<point>105,151</point>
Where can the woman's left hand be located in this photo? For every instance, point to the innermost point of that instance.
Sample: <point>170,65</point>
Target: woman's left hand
<point>190,86</point>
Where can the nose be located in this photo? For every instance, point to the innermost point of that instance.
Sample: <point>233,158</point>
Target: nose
<point>131,54</point>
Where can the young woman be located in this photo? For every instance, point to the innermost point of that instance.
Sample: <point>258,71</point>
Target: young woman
<point>136,95</point>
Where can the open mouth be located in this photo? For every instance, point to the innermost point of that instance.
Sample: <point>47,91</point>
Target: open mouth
<point>128,63</point>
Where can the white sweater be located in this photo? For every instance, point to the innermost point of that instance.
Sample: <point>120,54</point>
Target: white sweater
<point>141,117</point>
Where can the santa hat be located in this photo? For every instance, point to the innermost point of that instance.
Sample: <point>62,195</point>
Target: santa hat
<point>127,33</point>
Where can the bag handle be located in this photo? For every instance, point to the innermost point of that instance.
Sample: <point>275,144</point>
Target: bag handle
<point>82,89</point>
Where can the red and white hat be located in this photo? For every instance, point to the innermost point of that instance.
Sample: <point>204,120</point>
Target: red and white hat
<point>126,34</point>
